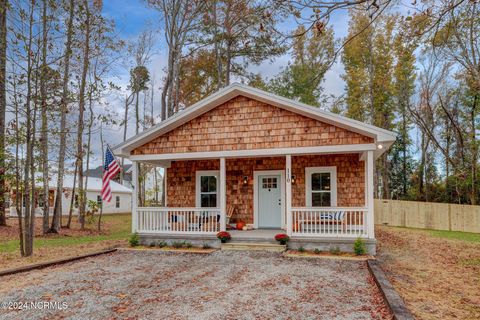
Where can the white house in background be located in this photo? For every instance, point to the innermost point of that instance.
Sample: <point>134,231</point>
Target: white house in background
<point>152,181</point>
<point>121,197</point>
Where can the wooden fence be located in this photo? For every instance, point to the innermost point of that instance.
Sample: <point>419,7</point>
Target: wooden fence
<point>428,215</point>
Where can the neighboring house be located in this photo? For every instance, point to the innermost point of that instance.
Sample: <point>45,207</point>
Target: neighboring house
<point>127,175</point>
<point>268,161</point>
<point>121,197</point>
<point>153,190</point>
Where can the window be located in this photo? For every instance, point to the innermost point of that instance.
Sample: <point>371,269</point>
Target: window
<point>117,202</point>
<point>207,184</point>
<point>321,186</point>
<point>99,200</point>
<point>269,183</point>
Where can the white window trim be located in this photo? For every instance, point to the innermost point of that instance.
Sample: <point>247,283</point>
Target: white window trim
<point>308,183</point>
<point>199,174</point>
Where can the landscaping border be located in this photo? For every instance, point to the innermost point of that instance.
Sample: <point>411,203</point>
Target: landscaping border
<point>42,265</point>
<point>394,301</point>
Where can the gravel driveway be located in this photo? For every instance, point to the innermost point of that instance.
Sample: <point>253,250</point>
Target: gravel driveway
<point>222,285</point>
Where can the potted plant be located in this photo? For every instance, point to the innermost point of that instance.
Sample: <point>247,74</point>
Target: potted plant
<point>224,236</point>
<point>282,238</point>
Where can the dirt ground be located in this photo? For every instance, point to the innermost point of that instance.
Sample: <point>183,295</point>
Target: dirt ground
<point>438,278</point>
<point>221,285</point>
<point>69,242</point>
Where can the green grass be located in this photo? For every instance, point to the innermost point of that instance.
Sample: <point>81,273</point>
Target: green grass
<point>120,229</point>
<point>456,235</point>
<point>452,235</point>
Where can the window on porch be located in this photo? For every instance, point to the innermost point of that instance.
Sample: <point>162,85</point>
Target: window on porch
<point>207,189</point>
<point>321,186</point>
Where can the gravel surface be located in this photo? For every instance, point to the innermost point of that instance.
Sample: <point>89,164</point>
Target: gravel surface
<point>222,285</point>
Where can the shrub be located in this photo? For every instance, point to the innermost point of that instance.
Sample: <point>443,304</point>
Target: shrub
<point>301,249</point>
<point>162,244</point>
<point>359,247</point>
<point>224,236</point>
<point>282,238</point>
<point>206,246</point>
<point>152,244</point>
<point>335,250</point>
<point>316,251</point>
<point>134,240</point>
<point>177,244</point>
<point>188,244</point>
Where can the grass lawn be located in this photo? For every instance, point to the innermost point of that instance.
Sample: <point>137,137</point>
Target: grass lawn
<point>436,272</point>
<point>70,242</point>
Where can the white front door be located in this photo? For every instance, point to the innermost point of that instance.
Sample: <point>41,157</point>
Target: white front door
<point>269,201</point>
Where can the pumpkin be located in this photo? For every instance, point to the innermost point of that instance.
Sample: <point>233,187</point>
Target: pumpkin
<point>240,225</point>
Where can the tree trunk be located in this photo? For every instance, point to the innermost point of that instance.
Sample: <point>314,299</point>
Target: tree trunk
<point>99,227</point>
<point>18,193</point>
<point>125,123</point>
<point>137,112</point>
<point>473,198</point>
<point>28,182</point>
<point>72,200</point>
<point>3,106</point>
<point>44,130</point>
<point>81,110</point>
<point>57,210</point>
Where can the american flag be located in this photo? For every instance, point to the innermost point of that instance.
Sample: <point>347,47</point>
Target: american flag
<point>110,169</point>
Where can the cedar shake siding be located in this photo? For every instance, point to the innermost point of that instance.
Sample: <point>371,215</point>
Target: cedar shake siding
<point>244,124</point>
<point>350,180</point>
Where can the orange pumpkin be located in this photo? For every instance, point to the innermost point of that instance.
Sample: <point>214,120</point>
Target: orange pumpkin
<point>240,225</point>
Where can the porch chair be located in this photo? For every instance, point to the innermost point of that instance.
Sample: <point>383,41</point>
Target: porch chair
<point>329,218</point>
<point>230,211</point>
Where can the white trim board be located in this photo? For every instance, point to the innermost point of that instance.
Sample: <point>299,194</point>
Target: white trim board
<point>256,174</point>
<point>355,148</point>
<point>381,136</point>
<point>333,183</point>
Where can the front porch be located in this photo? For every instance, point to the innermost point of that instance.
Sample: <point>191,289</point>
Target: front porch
<point>215,187</point>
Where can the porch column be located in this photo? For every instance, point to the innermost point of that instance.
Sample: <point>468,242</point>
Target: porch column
<point>134,195</point>
<point>223,194</point>
<point>165,187</point>
<point>369,194</point>
<point>288,192</point>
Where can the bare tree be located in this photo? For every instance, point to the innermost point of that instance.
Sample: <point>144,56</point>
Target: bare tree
<point>81,110</point>
<point>57,211</point>
<point>3,105</point>
<point>180,19</point>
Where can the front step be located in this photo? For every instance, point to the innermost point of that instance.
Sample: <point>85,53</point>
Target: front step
<point>247,246</point>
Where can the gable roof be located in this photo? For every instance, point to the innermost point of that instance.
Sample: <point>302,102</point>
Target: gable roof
<point>381,136</point>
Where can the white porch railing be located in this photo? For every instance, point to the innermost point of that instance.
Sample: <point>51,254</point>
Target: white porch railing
<point>178,220</point>
<point>329,222</point>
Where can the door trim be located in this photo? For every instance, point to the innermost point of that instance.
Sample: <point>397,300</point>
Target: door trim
<point>256,174</point>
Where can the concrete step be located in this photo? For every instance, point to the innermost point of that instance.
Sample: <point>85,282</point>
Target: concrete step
<point>246,246</point>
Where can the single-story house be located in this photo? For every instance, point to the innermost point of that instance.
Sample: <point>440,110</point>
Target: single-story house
<point>121,196</point>
<point>243,154</point>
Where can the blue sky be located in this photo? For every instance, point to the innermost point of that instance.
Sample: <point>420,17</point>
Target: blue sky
<point>133,16</point>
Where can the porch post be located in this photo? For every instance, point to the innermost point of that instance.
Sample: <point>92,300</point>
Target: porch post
<point>369,191</point>
<point>288,193</point>
<point>223,194</point>
<point>134,195</point>
<point>165,187</point>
